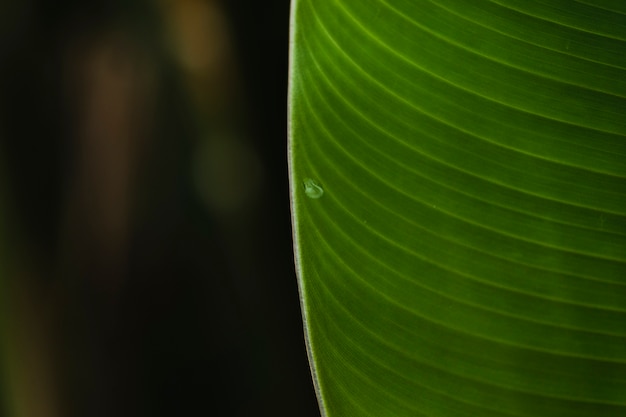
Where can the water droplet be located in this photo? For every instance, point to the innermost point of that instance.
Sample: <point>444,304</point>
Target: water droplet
<point>312,189</point>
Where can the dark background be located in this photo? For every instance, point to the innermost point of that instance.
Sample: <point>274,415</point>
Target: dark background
<point>146,266</point>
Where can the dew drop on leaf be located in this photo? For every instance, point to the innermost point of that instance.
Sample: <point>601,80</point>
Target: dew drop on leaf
<point>312,189</point>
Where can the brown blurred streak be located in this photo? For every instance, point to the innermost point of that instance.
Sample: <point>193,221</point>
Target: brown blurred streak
<point>112,84</point>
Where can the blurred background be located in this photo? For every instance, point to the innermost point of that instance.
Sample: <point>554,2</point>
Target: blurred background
<point>145,245</point>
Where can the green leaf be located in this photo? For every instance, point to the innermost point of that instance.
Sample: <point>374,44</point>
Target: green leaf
<point>458,183</point>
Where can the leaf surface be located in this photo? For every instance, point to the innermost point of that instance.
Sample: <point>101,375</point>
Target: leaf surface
<point>458,181</point>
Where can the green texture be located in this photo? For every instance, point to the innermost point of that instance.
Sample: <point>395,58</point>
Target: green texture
<point>467,255</point>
